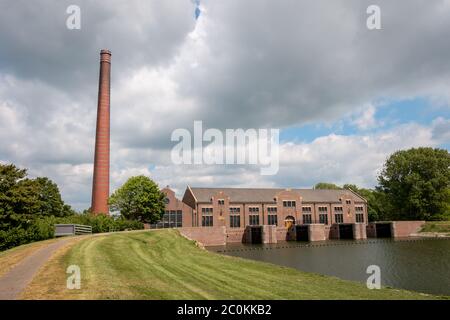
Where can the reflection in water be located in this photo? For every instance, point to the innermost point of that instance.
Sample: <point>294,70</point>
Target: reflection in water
<point>420,265</point>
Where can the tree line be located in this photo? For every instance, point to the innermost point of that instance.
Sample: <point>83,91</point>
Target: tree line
<point>29,209</point>
<point>413,184</point>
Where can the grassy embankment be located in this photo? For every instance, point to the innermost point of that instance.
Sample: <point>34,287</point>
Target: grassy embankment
<point>437,227</point>
<point>164,265</point>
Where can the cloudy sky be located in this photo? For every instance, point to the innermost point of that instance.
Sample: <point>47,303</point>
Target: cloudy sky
<point>344,97</point>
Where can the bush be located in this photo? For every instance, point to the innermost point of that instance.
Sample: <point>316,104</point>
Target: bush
<point>102,223</point>
<point>44,228</point>
<point>39,229</point>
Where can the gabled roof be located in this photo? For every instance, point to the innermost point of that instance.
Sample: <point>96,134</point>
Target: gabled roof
<point>255,195</point>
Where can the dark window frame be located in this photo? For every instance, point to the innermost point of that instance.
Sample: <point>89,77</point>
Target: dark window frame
<point>235,210</point>
<point>271,210</point>
<point>289,203</point>
<point>207,221</point>
<point>272,219</point>
<point>359,217</point>
<point>235,221</point>
<point>323,218</point>
<point>307,218</point>
<point>339,217</point>
<point>253,220</point>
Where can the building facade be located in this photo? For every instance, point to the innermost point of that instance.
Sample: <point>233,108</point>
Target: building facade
<point>234,214</point>
<point>216,216</point>
<point>239,207</point>
<point>323,214</point>
<point>177,214</point>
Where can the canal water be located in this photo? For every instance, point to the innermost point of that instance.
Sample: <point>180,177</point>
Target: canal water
<point>421,265</point>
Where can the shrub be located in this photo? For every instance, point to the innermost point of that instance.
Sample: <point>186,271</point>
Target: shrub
<point>39,229</point>
<point>44,228</point>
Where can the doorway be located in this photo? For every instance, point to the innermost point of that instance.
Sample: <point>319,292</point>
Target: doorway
<point>346,231</point>
<point>383,230</point>
<point>302,233</point>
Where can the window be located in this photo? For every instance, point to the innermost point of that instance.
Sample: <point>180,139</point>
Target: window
<point>171,219</point>
<point>307,219</point>
<point>254,220</point>
<point>207,211</point>
<point>272,219</point>
<point>221,202</point>
<point>359,209</point>
<point>338,209</point>
<point>235,210</point>
<point>323,218</point>
<point>323,209</point>
<point>165,219</point>
<point>179,220</point>
<point>166,200</point>
<point>272,210</point>
<point>207,218</point>
<point>207,221</point>
<point>348,201</point>
<point>360,217</point>
<point>253,209</point>
<point>289,204</point>
<point>339,218</point>
<point>235,221</point>
<point>306,209</point>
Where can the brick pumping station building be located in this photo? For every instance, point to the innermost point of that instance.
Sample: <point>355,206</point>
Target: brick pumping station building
<point>216,216</point>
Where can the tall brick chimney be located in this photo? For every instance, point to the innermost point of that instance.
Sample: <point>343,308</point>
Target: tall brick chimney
<point>100,184</point>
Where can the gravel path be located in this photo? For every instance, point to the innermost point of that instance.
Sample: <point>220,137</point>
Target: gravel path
<point>17,279</point>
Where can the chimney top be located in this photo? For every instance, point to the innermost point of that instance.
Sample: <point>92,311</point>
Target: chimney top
<point>105,51</point>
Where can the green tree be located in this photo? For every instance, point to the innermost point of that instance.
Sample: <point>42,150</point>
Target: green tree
<point>139,199</point>
<point>327,185</point>
<point>416,184</point>
<point>22,199</point>
<point>49,199</point>
<point>376,210</point>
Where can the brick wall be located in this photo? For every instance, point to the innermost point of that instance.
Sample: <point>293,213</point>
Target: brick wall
<point>176,204</point>
<point>235,235</point>
<point>334,232</point>
<point>406,228</point>
<point>316,232</point>
<point>359,231</point>
<point>399,229</point>
<point>211,236</point>
<point>371,230</point>
<point>269,234</point>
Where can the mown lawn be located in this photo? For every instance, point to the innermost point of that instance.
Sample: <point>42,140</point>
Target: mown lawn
<point>163,265</point>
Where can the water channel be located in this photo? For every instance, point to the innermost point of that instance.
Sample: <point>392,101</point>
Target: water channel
<point>421,265</point>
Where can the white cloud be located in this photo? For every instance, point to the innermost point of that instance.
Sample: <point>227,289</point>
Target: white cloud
<point>333,158</point>
<point>364,119</point>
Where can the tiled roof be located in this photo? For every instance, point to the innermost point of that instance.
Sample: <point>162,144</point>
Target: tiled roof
<point>254,195</point>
